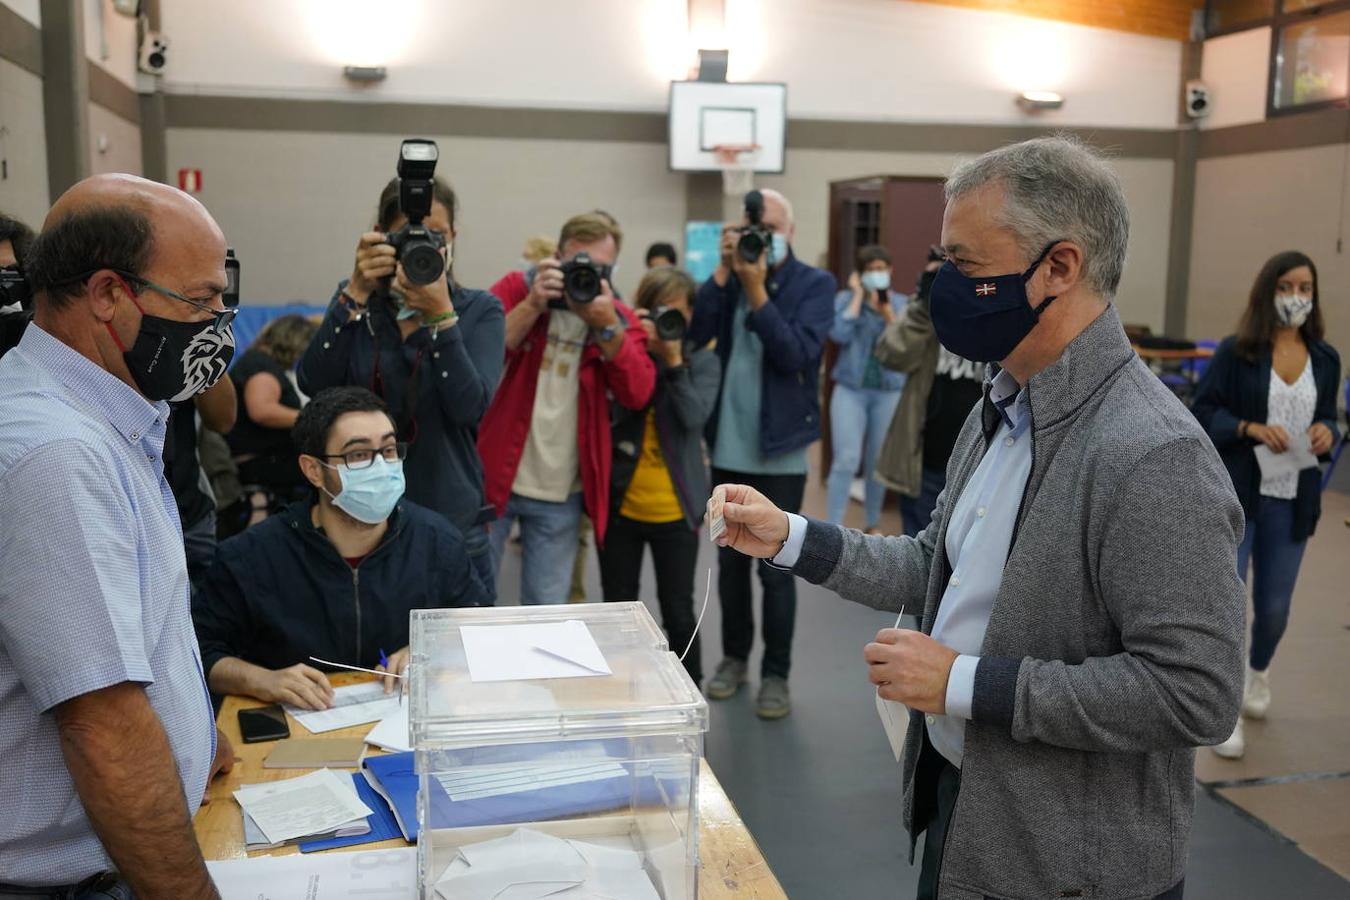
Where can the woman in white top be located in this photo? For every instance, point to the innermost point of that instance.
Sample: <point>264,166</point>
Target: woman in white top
<point>1268,401</point>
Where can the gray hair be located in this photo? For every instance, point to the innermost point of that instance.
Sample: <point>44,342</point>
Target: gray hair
<point>1056,189</point>
<point>786,203</point>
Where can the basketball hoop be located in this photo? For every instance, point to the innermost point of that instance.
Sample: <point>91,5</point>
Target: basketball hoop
<point>737,162</point>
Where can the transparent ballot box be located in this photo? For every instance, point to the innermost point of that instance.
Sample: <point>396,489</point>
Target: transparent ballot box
<point>554,747</point>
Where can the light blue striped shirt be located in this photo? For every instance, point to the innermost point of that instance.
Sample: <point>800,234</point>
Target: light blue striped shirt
<point>979,537</point>
<point>93,593</point>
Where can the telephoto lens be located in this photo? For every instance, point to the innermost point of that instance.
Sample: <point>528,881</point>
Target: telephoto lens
<point>670,324</point>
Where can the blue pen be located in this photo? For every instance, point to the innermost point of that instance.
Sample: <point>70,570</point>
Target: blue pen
<point>384,660</point>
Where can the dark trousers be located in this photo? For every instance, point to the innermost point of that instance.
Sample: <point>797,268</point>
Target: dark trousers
<point>935,836</point>
<point>780,588</point>
<point>675,556</point>
<point>1268,545</point>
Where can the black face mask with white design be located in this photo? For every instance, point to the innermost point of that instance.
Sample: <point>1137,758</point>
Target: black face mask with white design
<point>177,360</point>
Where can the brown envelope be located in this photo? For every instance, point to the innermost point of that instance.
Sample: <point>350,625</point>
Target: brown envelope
<point>316,753</point>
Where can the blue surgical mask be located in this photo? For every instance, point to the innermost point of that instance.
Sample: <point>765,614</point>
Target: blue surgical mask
<point>876,281</point>
<point>369,495</point>
<point>780,250</point>
<point>984,319</point>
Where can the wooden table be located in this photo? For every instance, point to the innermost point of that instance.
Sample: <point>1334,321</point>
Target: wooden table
<point>732,865</point>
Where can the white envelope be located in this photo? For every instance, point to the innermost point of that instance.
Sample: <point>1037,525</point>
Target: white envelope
<point>522,652</point>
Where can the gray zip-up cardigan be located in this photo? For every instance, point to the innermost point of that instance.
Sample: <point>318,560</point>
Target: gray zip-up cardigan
<point>1114,647</point>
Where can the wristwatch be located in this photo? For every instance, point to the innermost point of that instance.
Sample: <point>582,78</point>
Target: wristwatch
<point>610,332</point>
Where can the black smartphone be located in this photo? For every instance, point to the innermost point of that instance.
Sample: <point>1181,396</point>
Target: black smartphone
<point>266,723</point>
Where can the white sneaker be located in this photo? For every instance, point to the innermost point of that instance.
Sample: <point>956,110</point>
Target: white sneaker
<point>1235,746</point>
<point>1256,698</point>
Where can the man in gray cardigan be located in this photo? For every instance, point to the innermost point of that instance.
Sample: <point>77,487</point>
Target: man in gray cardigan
<point>1082,619</point>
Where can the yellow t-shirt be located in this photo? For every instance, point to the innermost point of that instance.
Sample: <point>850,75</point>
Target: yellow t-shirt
<point>651,494</point>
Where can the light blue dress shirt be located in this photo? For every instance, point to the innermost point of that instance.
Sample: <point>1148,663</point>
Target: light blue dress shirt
<point>979,537</point>
<point>93,593</point>
<point>738,425</point>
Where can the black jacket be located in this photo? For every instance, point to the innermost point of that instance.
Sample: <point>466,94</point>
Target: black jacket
<point>793,326</point>
<point>437,389</point>
<point>1235,390</point>
<point>279,593</point>
<point>684,398</point>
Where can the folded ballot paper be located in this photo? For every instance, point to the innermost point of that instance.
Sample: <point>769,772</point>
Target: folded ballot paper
<point>529,864</point>
<point>359,875</point>
<point>322,803</point>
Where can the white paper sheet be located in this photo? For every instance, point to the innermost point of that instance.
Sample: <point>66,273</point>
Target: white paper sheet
<point>522,652</point>
<point>354,704</point>
<point>1298,457</point>
<point>392,732</point>
<point>528,865</point>
<point>297,807</point>
<point>493,781</point>
<point>894,715</point>
<point>358,875</point>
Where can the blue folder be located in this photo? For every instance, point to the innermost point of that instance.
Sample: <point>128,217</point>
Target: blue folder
<point>383,825</point>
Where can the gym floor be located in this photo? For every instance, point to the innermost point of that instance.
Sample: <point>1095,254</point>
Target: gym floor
<point>820,789</point>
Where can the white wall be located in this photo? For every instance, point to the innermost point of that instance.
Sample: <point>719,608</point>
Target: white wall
<point>846,59</point>
<point>29,9</point>
<point>294,204</point>
<point>113,33</point>
<point>1236,68</point>
<point>24,192</point>
<point>123,150</point>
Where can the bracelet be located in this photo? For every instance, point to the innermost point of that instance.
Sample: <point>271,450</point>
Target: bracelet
<point>351,303</point>
<point>1242,429</point>
<point>446,317</point>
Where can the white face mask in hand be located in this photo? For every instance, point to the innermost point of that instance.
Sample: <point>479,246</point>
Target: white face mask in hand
<point>1292,309</point>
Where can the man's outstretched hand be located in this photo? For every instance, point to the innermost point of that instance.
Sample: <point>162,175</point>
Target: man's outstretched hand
<point>755,526</point>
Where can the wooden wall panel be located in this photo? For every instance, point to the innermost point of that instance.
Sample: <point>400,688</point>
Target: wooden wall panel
<point>1158,18</point>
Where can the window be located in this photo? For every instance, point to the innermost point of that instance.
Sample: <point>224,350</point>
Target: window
<point>1311,64</point>
<point>866,223</point>
<point>1233,15</point>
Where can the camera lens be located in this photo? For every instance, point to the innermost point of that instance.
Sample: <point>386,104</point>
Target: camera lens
<point>581,284</point>
<point>422,262</point>
<point>750,246</point>
<point>670,324</point>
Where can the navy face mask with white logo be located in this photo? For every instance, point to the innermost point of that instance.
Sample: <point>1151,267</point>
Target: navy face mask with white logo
<point>984,319</point>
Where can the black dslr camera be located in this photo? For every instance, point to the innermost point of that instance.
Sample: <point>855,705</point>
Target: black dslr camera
<point>670,323</point>
<point>755,238</point>
<point>582,277</point>
<point>14,288</point>
<point>416,246</point>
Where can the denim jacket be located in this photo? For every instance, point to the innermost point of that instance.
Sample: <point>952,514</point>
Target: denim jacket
<point>857,338</point>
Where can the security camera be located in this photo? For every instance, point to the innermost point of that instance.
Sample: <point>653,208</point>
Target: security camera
<point>154,53</point>
<point>1198,104</point>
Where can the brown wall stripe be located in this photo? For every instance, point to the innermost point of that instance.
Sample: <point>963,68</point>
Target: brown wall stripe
<point>20,41</point>
<point>112,94</point>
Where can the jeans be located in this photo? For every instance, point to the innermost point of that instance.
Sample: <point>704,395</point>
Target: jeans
<point>780,588</point>
<point>917,512</point>
<point>675,556</point>
<point>1275,556</point>
<point>484,561</point>
<point>199,546</point>
<point>548,538</point>
<point>859,418</point>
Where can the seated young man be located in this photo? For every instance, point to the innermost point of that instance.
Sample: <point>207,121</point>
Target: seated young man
<point>336,575</point>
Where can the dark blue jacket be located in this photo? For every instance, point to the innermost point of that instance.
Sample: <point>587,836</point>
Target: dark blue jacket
<point>1235,390</point>
<point>452,376</point>
<point>279,592</point>
<point>793,326</point>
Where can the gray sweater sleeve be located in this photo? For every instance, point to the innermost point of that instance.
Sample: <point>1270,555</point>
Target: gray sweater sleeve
<point>1167,574</point>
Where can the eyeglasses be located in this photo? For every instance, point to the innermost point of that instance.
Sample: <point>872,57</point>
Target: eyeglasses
<point>364,457</point>
<point>221,318</point>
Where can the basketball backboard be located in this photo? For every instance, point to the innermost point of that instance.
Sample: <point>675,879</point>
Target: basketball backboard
<point>705,115</point>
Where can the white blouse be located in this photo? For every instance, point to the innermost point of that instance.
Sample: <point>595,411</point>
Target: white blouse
<point>1290,406</point>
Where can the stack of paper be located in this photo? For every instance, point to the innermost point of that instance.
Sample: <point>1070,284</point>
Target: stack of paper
<point>361,875</point>
<point>392,732</point>
<point>478,782</point>
<point>527,865</point>
<point>355,704</point>
<point>320,803</point>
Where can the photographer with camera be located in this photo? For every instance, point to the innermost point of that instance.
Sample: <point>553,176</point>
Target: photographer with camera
<point>429,347</point>
<point>545,441</point>
<point>770,313</point>
<point>16,307</point>
<point>659,485</point>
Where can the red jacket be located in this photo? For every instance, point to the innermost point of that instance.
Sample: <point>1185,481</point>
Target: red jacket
<point>630,377</point>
